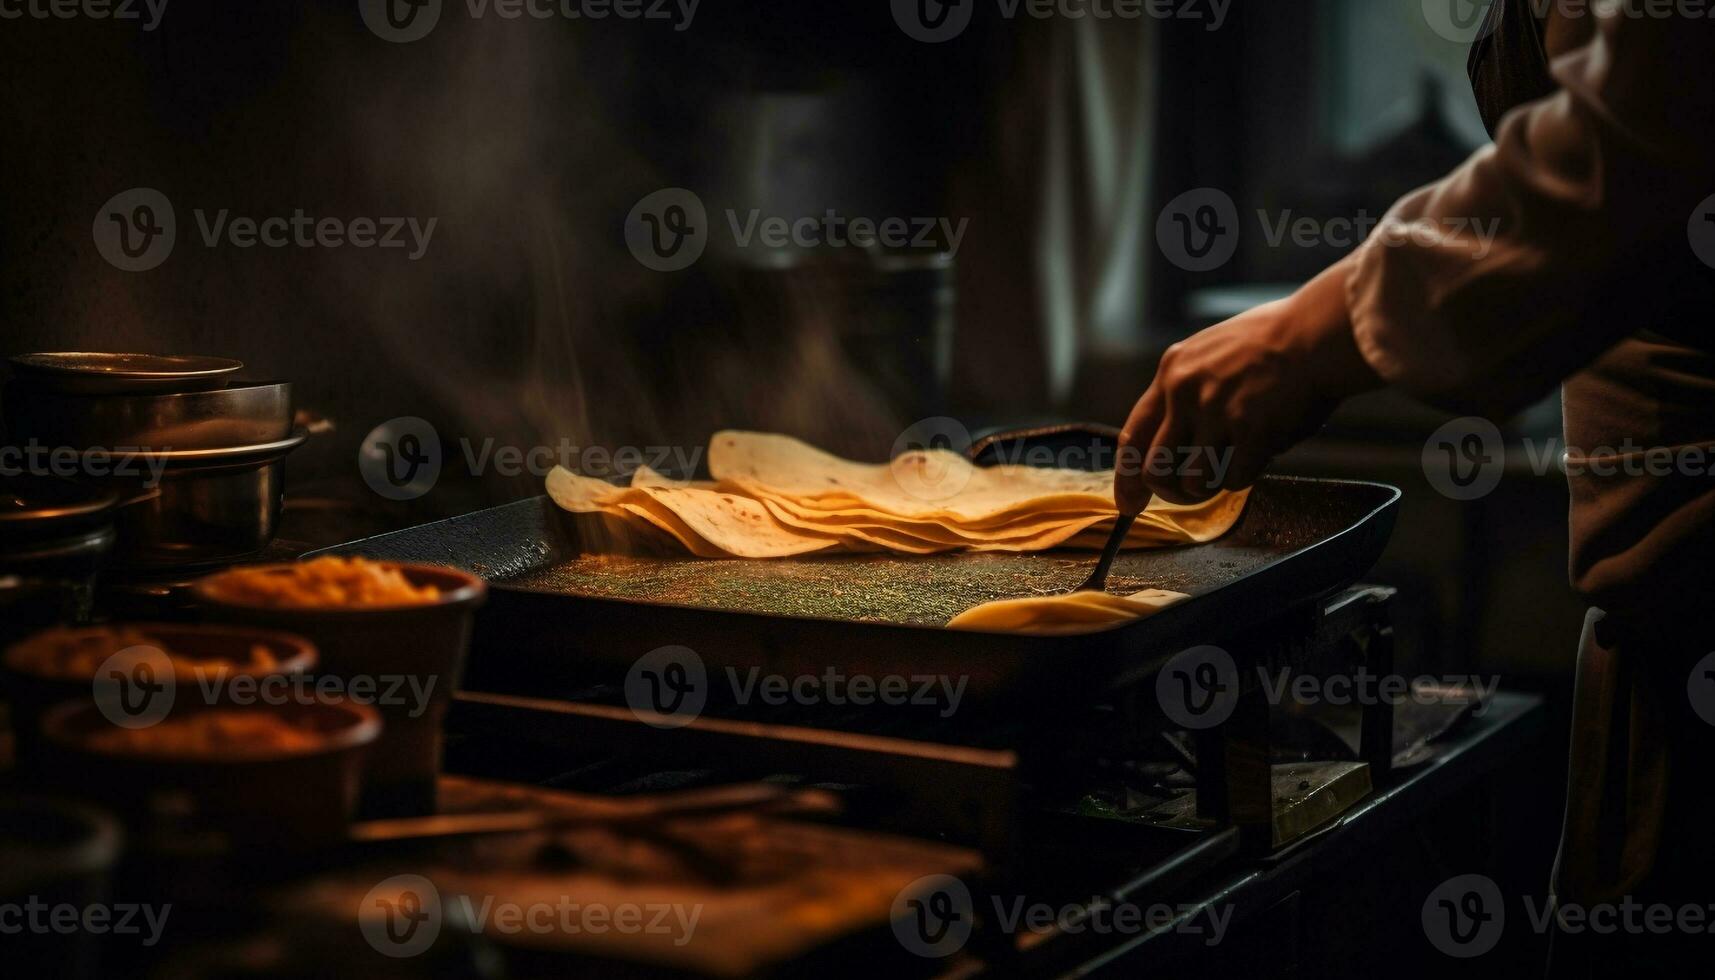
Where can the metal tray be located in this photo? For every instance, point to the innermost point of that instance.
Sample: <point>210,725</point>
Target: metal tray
<point>559,620</point>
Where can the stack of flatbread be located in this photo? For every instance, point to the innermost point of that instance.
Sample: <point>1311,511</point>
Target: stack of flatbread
<point>773,496</point>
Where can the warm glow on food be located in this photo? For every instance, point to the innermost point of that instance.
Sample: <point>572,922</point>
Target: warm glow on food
<point>320,583</point>
<point>209,735</point>
<point>77,654</point>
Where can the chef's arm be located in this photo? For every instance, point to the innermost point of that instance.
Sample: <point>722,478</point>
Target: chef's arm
<point>1474,292</point>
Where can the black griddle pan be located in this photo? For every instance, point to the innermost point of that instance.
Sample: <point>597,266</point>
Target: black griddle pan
<point>559,620</point>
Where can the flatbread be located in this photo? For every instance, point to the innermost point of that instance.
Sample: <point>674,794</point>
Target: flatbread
<point>1063,615</point>
<point>776,497</point>
<point>728,523</point>
<point>931,484</point>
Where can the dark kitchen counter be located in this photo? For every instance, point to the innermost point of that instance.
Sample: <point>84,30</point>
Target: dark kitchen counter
<point>1349,899</point>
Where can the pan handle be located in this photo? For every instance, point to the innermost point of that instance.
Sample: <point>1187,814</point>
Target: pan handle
<point>1071,445</point>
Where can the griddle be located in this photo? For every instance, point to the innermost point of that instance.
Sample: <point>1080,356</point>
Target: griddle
<point>560,620</point>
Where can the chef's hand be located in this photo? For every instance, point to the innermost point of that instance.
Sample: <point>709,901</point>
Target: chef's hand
<point>1226,401</point>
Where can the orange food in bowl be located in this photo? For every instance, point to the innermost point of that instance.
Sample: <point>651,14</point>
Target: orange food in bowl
<point>220,734</point>
<point>330,582</point>
<point>63,654</point>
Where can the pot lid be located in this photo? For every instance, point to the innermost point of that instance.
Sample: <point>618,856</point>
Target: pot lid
<point>92,372</point>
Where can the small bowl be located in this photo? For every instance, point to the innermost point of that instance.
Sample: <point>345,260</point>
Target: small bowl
<point>56,853</point>
<point>421,645</point>
<point>297,797</point>
<point>32,692</point>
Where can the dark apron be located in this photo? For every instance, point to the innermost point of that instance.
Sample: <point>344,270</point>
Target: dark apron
<point>1639,812</point>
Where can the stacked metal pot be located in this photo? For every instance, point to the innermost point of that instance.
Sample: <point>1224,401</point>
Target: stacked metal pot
<point>188,457</point>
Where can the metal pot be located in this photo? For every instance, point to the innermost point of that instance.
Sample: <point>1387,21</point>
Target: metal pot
<point>208,507</point>
<point>54,536</point>
<point>243,414</point>
<point>91,373</point>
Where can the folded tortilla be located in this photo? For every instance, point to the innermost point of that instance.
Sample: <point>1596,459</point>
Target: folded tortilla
<point>776,497</point>
<point>1062,615</point>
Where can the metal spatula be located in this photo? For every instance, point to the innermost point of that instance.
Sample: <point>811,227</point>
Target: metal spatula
<point>1098,580</point>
